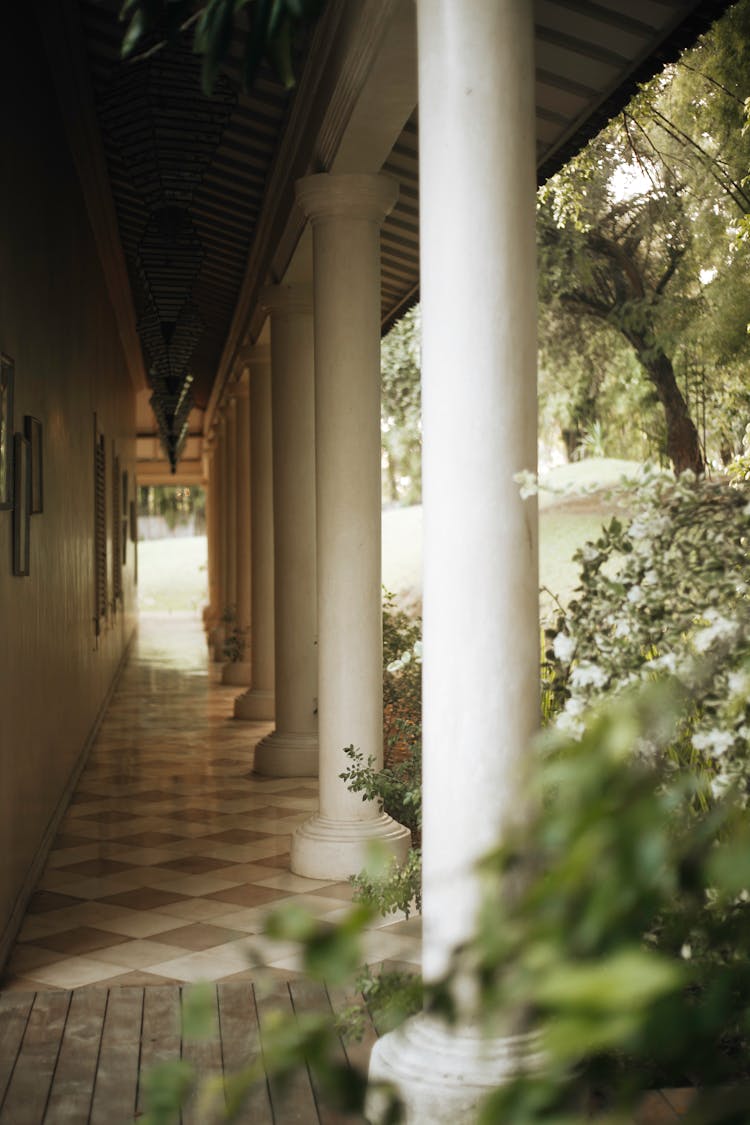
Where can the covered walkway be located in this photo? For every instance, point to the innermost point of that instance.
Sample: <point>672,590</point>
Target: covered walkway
<point>168,859</point>
<point>172,850</point>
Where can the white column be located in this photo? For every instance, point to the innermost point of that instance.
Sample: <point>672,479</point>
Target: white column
<point>481,617</point>
<point>346,213</point>
<point>291,750</point>
<point>211,611</point>
<point>258,702</point>
<point>222,532</point>
<point>239,671</point>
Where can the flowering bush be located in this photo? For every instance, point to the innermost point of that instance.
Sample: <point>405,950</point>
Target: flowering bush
<point>658,591</point>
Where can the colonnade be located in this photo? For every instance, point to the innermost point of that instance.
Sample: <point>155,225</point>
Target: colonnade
<point>318,482</point>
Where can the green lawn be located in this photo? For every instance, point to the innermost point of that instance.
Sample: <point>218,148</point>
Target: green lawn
<point>172,573</point>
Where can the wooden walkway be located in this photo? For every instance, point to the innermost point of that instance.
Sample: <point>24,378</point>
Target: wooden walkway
<point>78,1058</point>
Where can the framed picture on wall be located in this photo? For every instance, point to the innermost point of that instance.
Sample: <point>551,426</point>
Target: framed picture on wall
<point>33,429</point>
<point>21,505</point>
<point>7,372</point>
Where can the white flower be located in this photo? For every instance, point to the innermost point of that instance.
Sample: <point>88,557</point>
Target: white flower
<point>721,628</point>
<point>738,682</point>
<point>622,628</point>
<point>417,650</point>
<point>635,595</point>
<point>528,482</point>
<point>588,675</point>
<point>564,647</point>
<point>686,952</point>
<point>714,741</point>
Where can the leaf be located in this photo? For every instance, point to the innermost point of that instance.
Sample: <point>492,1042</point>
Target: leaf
<point>199,1011</point>
<point>255,45</point>
<point>627,980</point>
<point>136,29</point>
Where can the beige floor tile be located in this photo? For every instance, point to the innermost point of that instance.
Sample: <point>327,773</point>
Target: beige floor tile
<point>139,954</point>
<point>209,964</point>
<point>198,885</point>
<point>286,881</point>
<point>137,923</point>
<point>73,972</point>
<point>198,909</point>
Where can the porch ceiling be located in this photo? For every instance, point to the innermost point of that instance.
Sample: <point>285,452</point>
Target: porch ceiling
<point>200,192</point>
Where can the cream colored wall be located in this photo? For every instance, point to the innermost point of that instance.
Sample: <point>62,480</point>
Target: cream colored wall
<point>57,324</point>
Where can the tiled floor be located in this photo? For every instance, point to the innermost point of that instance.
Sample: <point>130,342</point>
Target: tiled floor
<point>172,850</point>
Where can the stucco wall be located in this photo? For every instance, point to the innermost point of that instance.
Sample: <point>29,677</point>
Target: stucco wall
<point>57,324</point>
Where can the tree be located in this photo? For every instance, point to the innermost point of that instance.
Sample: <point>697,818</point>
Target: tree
<point>643,233</point>
<point>401,411</point>
<point>617,262</point>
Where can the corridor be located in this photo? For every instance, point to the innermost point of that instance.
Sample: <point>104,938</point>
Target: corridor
<point>172,851</point>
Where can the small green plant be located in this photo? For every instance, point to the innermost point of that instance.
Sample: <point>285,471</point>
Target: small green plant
<point>233,648</point>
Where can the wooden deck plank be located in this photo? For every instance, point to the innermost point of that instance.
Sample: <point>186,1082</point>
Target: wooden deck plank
<point>293,1101</point>
<point>205,1055</point>
<point>75,1074</point>
<point>14,1014</point>
<point>160,1032</point>
<point>26,1098</point>
<point>116,1084</point>
<point>240,1046</point>
<point>310,998</point>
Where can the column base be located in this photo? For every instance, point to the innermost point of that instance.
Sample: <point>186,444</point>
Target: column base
<point>255,705</point>
<point>323,848</point>
<point>443,1073</point>
<point>287,755</point>
<point>237,673</point>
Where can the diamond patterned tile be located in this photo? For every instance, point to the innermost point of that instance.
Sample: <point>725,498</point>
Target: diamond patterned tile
<point>172,853</point>
<point>82,939</point>
<point>144,898</point>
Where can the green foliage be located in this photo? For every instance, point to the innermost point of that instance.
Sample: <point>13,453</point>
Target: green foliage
<point>401,411</point>
<point>233,648</point>
<point>626,878</point>
<point>389,998</point>
<point>267,28</point>
<point>656,592</point>
<point>641,236</point>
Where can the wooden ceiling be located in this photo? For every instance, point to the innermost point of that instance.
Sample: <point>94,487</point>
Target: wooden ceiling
<point>192,178</point>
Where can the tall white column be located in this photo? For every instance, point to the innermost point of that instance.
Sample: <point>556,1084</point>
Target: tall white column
<point>239,671</point>
<point>222,535</point>
<point>211,611</point>
<point>481,617</point>
<point>258,702</point>
<point>291,750</point>
<point>346,213</point>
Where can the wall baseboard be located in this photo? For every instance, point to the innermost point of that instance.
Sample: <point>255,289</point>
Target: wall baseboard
<point>18,913</point>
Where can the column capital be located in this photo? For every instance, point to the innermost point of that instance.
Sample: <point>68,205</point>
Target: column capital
<point>287,300</point>
<point>259,355</point>
<point>240,387</point>
<point>346,196</point>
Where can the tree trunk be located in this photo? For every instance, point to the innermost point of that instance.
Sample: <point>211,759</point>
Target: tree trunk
<point>683,445</point>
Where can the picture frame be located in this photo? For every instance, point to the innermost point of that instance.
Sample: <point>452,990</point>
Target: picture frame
<point>133,522</point>
<point>7,452</point>
<point>34,435</point>
<point>21,505</point>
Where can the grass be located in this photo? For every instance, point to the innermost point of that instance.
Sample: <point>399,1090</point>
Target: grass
<point>173,575</point>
